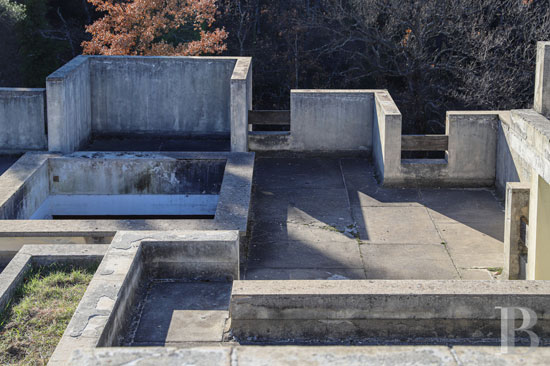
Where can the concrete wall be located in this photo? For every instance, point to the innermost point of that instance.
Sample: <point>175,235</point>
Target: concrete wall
<point>22,119</point>
<point>387,138</point>
<point>241,103</point>
<point>156,174</point>
<point>472,147</point>
<point>340,310</point>
<point>331,120</point>
<point>69,106</point>
<point>542,79</point>
<point>179,95</point>
<point>24,187</point>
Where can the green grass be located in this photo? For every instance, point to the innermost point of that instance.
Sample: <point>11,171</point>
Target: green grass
<point>34,321</point>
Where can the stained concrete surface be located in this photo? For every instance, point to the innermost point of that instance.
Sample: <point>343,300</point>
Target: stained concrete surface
<point>175,312</point>
<point>327,218</point>
<point>144,142</point>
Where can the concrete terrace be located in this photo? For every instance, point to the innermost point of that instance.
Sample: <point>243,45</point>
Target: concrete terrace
<point>328,218</point>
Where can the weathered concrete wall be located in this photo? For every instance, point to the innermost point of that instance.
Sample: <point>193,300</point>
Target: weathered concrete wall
<point>131,174</point>
<point>472,147</point>
<point>387,138</point>
<point>180,95</point>
<point>24,187</point>
<point>331,120</point>
<point>22,119</point>
<point>510,166</point>
<point>241,103</point>
<point>339,310</point>
<point>517,208</point>
<point>542,79</point>
<point>69,106</point>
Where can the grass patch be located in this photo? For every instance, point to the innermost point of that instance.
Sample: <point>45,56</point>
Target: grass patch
<point>496,270</point>
<point>34,321</point>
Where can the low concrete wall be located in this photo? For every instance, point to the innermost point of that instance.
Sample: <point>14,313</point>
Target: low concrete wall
<point>24,187</point>
<point>472,147</point>
<point>110,173</point>
<point>22,119</point>
<point>69,106</point>
<point>176,95</point>
<point>331,120</point>
<point>132,257</point>
<point>340,310</point>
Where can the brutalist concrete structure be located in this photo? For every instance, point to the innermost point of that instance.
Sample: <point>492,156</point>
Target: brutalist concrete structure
<point>176,231</point>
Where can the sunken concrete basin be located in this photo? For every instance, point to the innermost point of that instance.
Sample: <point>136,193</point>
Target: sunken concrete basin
<point>93,195</point>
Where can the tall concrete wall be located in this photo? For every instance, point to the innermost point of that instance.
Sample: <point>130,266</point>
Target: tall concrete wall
<point>22,119</point>
<point>69,106</point>
<point>241,103</point>
<point>387,138</point>
<point>331,120</point>
<point>179,95</point>
<point>542,79</point>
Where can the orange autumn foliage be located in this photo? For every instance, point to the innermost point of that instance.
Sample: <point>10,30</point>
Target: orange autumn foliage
<point>137,27</point>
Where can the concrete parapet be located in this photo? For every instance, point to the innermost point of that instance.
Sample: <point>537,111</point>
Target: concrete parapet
<point>69,106</point>
<point>98,95</point>
<point>339,310</point>
<point>472,147</point>
<point>517,209</point>
<point>542,79</point>
<point>331,120</point>
<point>387,139</point>
<point>22,119</point>
<point>241,103</point>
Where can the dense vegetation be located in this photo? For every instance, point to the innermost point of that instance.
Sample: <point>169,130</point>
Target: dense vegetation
<point>432,55</point>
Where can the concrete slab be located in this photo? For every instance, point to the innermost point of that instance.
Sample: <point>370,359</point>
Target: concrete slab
<point>395,225</point>
<point>475,274</point>
<point>305,274</point>
<point>479,208</point>
<point>296,254</point>
<point>183,311</point>
<point>343,356</point>
<point>470,248</point>
<point>364,190</point>
<point>408,262</point>
<point>267,231</point>
<point>284,173</point>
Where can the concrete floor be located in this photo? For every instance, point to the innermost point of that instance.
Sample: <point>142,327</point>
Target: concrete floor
<point>174,312</point>
<point>327,218</point>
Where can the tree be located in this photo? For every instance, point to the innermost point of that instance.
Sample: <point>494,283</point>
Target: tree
<point>155,27</point>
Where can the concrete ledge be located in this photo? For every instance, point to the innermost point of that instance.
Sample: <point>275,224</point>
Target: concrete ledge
<point>321,310</point>
<point>310,355</point>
